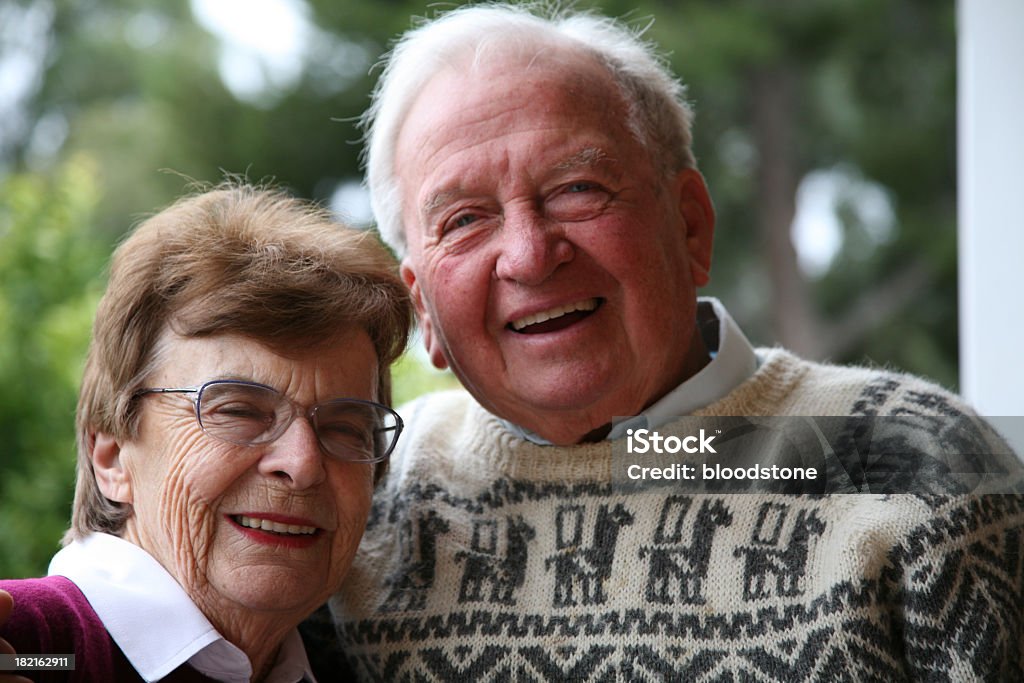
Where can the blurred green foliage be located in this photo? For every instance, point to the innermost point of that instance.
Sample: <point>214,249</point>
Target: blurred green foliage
<point>50,279</point>
<point>129,104</point>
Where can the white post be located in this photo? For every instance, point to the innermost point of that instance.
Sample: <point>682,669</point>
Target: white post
<point>991,209</point>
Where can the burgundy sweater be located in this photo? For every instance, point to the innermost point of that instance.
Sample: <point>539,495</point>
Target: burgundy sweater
<point>51,616</point>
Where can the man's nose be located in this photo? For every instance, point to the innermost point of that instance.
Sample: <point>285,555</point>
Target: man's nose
<point>531,248</point>
<point>295,457</point>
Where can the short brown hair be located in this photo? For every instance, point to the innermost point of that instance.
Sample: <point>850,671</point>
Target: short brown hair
<point>234,259</point>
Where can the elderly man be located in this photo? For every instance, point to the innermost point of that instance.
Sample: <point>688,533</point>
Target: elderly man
<point>535,176</point>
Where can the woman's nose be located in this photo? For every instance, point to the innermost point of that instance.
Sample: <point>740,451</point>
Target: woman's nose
<point>295,456</point>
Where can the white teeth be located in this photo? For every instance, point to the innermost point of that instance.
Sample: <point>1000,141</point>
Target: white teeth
<point>276,527</point>
<point>557,312</point>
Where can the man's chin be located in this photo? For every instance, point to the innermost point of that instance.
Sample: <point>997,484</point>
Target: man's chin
<point>556,417</point>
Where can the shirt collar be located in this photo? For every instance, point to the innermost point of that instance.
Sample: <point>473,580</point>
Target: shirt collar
<point>152,619</point>
<point>733,361</point>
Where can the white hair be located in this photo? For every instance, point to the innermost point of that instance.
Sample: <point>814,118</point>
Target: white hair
<point>657,112</point>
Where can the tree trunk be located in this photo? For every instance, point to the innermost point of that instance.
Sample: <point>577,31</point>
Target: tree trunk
<point>774,110</point>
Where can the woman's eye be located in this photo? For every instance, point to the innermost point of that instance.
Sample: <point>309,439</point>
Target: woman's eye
<point>343,438</point>
<point>236,411</point>
<point>346,432</point>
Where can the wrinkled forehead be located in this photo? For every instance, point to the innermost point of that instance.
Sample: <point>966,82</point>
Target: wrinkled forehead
<point>343,365</point>
<point>502,83</point>
<point>175,346</point>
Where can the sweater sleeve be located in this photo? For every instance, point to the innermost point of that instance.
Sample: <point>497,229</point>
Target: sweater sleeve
<point>51,616</point>
<point>960,583</point>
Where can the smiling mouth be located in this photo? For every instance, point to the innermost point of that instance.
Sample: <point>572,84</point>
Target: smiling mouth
<point>274,527</point>
<point>555,319</point>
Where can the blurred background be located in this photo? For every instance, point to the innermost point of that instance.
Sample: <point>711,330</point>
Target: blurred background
<point>826,130</point>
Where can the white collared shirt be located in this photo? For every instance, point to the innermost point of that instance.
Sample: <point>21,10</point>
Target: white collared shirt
<point>733,361</point>
<point>152,619</point>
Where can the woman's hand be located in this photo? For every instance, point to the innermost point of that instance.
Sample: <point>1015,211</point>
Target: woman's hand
<point>6,605</point>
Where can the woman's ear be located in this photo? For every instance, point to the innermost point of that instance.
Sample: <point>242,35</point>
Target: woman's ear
<point>111,474</point>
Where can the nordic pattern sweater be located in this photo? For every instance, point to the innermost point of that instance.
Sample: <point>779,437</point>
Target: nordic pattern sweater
<point>490,558</point>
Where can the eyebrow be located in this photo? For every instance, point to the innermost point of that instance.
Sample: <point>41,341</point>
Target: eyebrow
<point>439,199</point>
<point>585,158</point>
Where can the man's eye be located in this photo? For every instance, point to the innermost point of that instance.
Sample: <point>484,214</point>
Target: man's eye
<point>579,187</point>
<point>460,221</point>
<point>577,201</point>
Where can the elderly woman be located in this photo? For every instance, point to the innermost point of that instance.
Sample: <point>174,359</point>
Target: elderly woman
<point>231,426</point>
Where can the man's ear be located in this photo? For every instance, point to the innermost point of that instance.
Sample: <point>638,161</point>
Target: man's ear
<point>111,475</point>
<point>430,340</point>
<point>699,214</point>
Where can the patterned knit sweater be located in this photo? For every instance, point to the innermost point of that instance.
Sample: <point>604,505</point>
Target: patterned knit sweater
<point>490,558</point>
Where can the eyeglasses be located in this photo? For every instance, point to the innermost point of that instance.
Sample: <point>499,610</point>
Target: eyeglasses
<point>250,414</point>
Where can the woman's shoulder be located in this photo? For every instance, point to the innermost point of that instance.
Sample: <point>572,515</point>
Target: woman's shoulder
<point>52,616</point>
<point>56,589</point>
<point>51,601</point>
